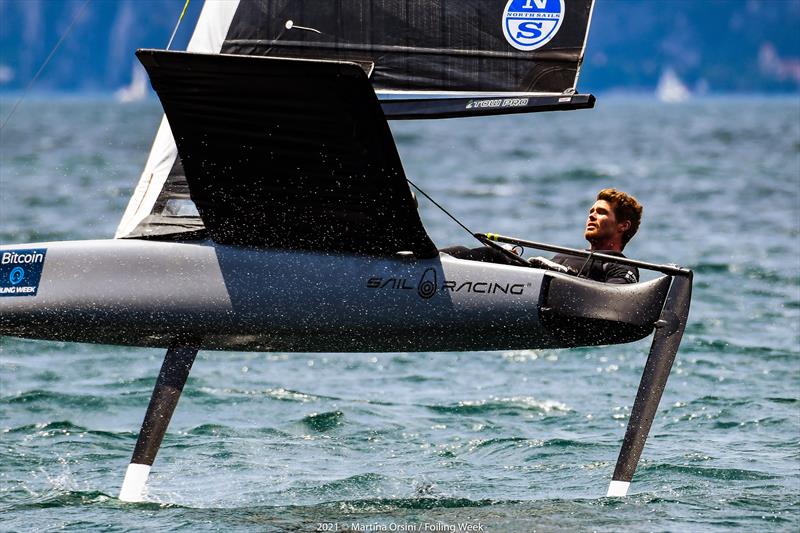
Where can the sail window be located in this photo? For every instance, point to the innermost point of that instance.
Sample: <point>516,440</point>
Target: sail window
<point>180,208</point>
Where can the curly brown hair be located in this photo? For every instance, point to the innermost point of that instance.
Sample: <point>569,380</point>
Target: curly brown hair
<point>626,207</point>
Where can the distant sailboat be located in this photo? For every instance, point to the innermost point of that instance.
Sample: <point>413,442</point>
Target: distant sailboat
<point>670,88</point>
<point>137,90</point>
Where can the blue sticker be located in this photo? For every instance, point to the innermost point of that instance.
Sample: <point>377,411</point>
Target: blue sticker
<point>20,271</point>
<point>531,24</point>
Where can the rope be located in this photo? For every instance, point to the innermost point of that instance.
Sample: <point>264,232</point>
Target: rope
<point>177,24</point>
<point>484,241</point>
<point>46,61</point>
<point>589,258</point>
<point>445,211</point>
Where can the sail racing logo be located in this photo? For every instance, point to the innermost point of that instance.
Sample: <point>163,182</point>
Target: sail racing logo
<point>531,24</point>
<point>428,285</point>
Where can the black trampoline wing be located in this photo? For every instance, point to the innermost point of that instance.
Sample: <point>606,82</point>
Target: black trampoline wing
<point>286,153</point>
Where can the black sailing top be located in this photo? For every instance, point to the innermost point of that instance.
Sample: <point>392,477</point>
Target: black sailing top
<point>599,270</point>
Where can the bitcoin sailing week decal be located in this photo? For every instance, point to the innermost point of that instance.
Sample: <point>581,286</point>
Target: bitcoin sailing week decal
<point>20,271</point>
<point>530,24</point>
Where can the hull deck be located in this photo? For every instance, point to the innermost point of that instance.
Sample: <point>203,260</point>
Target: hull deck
<point>149,293</point>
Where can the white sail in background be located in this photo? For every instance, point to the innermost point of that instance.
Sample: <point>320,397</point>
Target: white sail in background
<point>670,88</point>
<point>137,90</point>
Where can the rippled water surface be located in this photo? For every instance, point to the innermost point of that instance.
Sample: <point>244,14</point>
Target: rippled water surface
<point>510,441</point>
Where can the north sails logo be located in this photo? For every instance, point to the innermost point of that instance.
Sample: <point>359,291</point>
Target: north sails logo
<point>531,24</point>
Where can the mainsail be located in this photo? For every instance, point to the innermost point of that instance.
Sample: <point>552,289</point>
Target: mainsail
<point>424,59</point>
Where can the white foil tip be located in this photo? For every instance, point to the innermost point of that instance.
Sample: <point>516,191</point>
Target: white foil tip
<point>133,484</point>
<point>618,489</point>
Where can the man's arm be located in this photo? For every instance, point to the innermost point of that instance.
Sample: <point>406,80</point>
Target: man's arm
<point>616,273</point>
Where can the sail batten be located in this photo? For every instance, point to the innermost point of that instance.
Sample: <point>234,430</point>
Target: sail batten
<point>269,46</point>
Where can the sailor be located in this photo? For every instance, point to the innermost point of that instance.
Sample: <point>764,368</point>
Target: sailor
<point>613,220</point>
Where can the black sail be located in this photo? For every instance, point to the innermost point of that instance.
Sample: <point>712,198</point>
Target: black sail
<point>423,59</point>
<point>445,45</point>
<point>273,163</point>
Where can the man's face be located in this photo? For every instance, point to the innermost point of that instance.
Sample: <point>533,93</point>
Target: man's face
<point>602,223</point>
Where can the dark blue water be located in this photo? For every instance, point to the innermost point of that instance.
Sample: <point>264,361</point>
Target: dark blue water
<point>510,441</point>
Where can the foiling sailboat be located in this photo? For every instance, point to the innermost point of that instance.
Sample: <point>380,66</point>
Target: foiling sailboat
<point>273,213</point>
